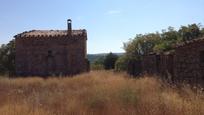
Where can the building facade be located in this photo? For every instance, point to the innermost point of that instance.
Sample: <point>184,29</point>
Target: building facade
<point>51,52</point>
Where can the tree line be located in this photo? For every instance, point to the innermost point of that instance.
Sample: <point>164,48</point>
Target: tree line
<point>158,42</point>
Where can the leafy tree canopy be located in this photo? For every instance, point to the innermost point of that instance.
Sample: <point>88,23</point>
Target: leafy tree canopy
<point>158,42</point>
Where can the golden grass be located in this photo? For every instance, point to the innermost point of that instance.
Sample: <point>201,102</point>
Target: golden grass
<point>97,93</point>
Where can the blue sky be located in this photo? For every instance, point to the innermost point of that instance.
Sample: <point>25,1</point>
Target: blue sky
<point>109,22</point>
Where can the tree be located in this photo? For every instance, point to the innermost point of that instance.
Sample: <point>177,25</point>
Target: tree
<point>141,45</point>
<point>121,63</point>
<point>168,38</point>
<point>190,32</point>
<point>159,42</point>
<point>7,58</point>
<point>109,62</point>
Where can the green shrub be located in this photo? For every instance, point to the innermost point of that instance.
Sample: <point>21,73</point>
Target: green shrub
<point>121,63</point>
<point>109,61</point>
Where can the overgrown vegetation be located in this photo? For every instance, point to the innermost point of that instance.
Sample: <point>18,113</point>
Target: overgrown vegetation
<point>107,62</point>
<point>97,93</point>
<point>121,63</point>
<point>7,58</point>
<point>157,42</point>
<point>98,64</point>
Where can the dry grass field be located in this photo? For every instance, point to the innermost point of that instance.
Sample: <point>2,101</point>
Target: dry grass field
<point>97,93</point>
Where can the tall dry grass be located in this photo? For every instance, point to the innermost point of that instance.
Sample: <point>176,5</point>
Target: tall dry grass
<point>97,93</point>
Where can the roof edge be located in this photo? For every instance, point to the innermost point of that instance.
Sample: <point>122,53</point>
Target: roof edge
<point>23,34</point>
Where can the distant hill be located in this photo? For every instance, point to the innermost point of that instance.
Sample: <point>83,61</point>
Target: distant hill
<point>94,57</point>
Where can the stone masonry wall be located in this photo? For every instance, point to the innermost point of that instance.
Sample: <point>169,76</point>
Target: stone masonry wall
<point>184,64</point>
<point>149,64</point>
<point>188,63</point>
<point>59,55</point>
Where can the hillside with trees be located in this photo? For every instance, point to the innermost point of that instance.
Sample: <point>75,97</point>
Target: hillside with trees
<point>104,61</point>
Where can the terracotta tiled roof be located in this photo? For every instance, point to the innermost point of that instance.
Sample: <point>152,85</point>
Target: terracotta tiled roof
<point>188,42</point>
<point>36,33</point>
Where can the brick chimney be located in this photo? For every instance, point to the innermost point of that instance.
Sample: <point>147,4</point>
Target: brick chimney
<point>69,26</point>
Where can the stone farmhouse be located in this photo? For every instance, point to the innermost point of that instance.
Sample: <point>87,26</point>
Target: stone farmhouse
<point>51,52</point>
<point>185,63</point>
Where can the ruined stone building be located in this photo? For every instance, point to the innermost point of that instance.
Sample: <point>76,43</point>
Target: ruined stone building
<point>51,52</point>
<point>184,63</point>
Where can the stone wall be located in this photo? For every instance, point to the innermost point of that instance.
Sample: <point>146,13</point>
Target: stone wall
<point>134,65</point>
<point>188,63</point>
<point>166,65</point>
<point>149,64</point>
<point>183,64</point>
<point>56,55</point>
